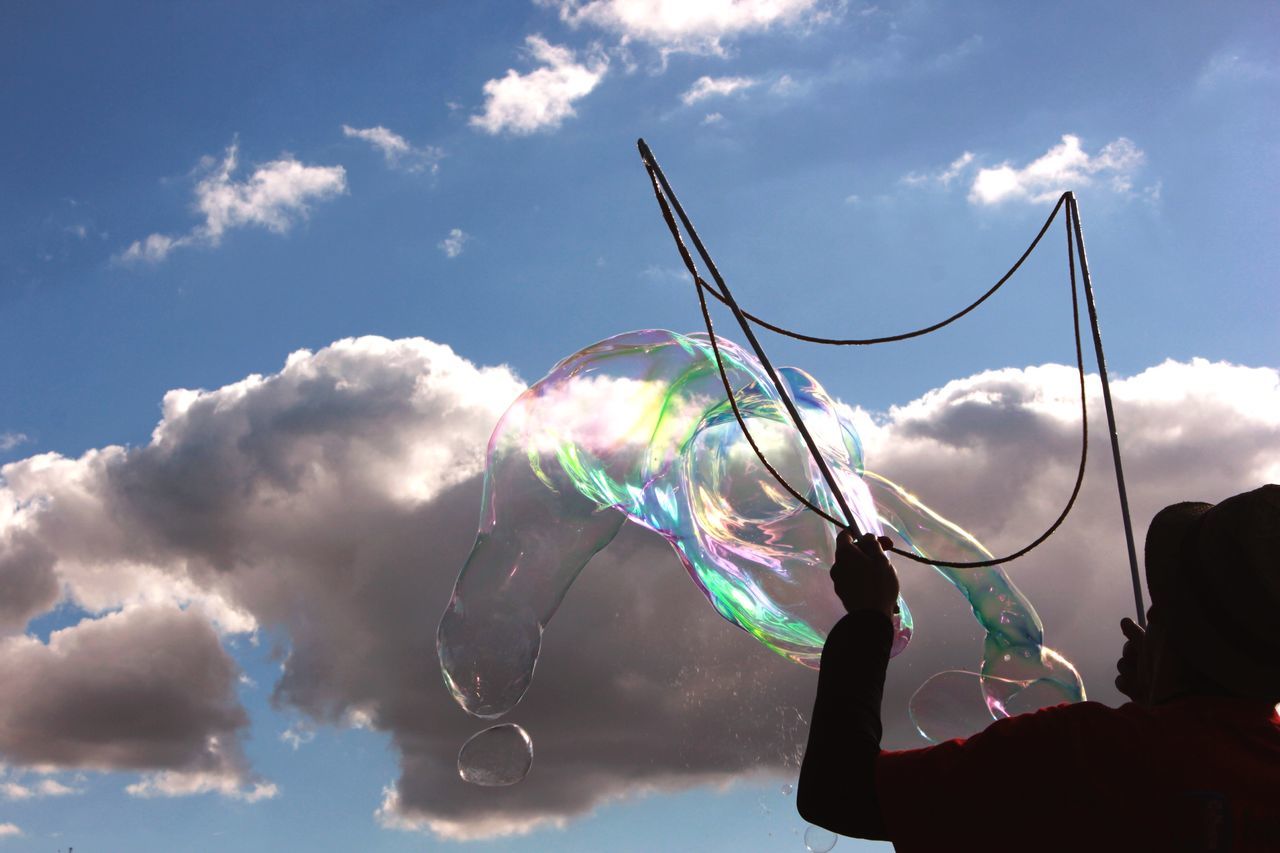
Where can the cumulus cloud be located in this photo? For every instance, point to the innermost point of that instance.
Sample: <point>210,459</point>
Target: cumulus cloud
<point>453,244</point>
<point>186,783</point>
<point>97,695</point>
<point>12,790</point>
<point>335,500</point>
<point>541,99</point>
<point>148,687</point>
<point>10,440</point>
<point>28,585</point>
<point>709,87</point>
<point>9,830</point>
<point>275,196</point>
<point>396,150</point>
<point>1063,167</point>
<point>699,26</point>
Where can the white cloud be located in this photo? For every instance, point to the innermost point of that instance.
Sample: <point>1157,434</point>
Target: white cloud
<point>154,248</point>
<point>955,168</point>
<point>698,26</point>
<point>321,498</point>
<point>9,830</point>
<point>944,177</point>
<point>275,196</point>
<point>10,440</point>
<point>298,734</point>
<point>11,790</point>
<point>453,244</point>
<point>397,151</point>
<point>14,791</point>
<point>709,87</point>
<point>54,788</point>
<point>172,784</point>
<point>389,143</point>
<point>712,118</point>
<point>1065,166</point>
<point>542,99</point>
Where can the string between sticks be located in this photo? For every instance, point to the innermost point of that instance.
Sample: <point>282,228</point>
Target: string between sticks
<point>663,191</point>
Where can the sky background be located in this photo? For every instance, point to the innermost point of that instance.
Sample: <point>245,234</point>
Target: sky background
<point>219,635</point>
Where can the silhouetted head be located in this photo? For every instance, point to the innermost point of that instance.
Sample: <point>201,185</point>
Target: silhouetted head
<point>1214,576</point>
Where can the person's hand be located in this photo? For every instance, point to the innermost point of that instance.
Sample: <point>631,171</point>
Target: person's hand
<point>1133,679</point>
<point>863,576</point>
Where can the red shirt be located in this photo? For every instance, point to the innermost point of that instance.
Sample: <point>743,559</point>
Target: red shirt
<point>1196,774</point>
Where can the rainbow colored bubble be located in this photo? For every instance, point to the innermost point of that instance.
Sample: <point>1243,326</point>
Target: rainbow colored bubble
<point>638,428</point>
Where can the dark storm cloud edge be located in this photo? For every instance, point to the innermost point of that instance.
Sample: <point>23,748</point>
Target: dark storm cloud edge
<point>335,501</point>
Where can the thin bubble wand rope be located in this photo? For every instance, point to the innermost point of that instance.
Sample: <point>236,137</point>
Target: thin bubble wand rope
<point>662,188</point>
<point>662,191</point>
<point>659,185</point>
<point>1073,216</point>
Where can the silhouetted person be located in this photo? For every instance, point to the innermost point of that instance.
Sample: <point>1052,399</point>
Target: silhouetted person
<point>1192,763</point>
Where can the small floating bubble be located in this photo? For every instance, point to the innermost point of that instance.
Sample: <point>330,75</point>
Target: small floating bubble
<point>819,840</point>
<point>787,789</point>
<point>497,756</point>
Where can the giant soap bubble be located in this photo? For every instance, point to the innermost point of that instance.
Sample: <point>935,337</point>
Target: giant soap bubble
<point>638,428</point>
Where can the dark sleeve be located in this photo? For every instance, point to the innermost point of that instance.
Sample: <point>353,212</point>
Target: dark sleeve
<point>837,778</point>
<point>1077,772</point>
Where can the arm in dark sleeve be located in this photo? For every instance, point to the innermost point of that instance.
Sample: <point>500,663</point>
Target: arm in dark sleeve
<point>837,778</point>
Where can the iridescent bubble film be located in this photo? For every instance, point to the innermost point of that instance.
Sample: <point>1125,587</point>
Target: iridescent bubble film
<point>496,757</point>
<point>638,428</point>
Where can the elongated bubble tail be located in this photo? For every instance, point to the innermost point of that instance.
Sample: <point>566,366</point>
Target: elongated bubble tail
<point>487,656</point>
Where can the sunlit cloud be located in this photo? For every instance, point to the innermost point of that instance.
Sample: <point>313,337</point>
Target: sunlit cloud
<point>710,87</point>
<point>541,99</point>
<point>943,177</point>
<point>275,196</point>
<point>453,243</point>
<point>1063,167</point>
<point>11,790</point>
<point>396,150</point>
<point>697,26</point>
<point>172,784</point>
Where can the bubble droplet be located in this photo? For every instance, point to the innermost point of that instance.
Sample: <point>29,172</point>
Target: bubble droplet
<point>819,840</point>
<point>497,756</point>
<point>787,789</point>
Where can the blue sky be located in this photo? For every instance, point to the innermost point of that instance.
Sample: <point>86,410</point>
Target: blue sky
<point>466,173</point>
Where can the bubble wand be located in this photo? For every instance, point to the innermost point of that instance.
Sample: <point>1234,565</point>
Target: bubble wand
<point>1075,243</point>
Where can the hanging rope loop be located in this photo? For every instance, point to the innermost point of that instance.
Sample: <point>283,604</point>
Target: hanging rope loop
<point>668,202</point>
